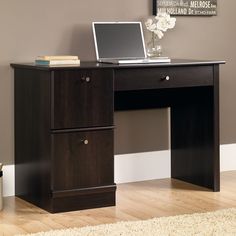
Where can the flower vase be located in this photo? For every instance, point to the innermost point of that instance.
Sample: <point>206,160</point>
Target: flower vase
<point>154,48</point>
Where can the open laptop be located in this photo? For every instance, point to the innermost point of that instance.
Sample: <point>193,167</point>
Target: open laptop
<point>121,43</point>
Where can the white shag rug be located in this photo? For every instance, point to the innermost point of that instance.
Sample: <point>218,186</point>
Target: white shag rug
<point>217,223</point>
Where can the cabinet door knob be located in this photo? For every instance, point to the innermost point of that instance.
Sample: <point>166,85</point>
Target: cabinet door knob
<point>85,141</point>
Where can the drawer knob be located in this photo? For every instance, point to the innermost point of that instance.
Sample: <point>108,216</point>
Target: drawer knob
<point>167,78</point>
<point>86,141</point>
<point>86,79</point>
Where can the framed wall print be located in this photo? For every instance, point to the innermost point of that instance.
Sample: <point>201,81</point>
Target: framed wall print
<point>186,7</point>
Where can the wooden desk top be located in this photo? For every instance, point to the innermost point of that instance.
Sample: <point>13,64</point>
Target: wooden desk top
<point>96,65</point>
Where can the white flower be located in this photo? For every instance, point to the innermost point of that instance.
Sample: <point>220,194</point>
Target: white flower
<point>161,23</point>
<point>150,25</point>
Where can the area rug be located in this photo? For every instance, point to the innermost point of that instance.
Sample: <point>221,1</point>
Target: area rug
<point>217,223</point>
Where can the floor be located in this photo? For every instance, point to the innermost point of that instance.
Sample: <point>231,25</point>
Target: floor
<point>135,201</point>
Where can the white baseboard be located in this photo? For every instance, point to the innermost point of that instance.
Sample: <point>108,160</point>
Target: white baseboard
<point>142,166</point>
<point>8,180</point>
<point>228,157</point>
<point>137,167</point>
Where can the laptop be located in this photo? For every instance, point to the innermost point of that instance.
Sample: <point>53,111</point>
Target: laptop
<point>121,43</point>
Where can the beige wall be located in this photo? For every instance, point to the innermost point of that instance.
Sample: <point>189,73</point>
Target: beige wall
<point>30,28</point>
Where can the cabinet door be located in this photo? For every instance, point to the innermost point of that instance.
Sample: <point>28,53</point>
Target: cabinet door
<point>83,159</point>
<point>82,98</point>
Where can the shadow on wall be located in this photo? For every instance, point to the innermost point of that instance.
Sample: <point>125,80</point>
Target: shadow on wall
<point>141,131</point>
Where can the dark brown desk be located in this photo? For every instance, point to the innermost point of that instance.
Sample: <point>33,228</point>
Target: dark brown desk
<point>64,155</point>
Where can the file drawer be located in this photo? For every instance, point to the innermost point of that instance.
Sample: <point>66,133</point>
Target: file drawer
<point>83,159</point>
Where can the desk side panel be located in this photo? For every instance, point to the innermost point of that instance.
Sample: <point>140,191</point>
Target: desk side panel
<point>216,129</point>
<point>195,136</point>
<point>32,136</point>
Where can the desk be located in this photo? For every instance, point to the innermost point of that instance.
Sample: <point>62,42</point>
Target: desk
<point>64,154</point>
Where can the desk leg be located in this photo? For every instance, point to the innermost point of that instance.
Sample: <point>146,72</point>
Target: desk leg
<point>195,140</point>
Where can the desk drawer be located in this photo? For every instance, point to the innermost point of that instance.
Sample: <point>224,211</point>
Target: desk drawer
<point>82,98</point>
<point>162,77</point>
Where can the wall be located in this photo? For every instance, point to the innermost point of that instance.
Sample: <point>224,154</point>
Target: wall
<point>30,28</point>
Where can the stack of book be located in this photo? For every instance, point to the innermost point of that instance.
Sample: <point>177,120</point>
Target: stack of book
<point>57,60</point>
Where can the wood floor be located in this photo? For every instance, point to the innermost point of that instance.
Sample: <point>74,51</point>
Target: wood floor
<point>135,201</point>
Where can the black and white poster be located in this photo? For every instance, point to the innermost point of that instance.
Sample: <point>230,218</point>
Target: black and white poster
<point>186,7</point>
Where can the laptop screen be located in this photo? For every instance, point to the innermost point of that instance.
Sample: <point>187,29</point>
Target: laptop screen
<point>119,40</point>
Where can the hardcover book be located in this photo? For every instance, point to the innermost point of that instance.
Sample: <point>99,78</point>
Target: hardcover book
<point>58,57</point>
<point>57,62</point>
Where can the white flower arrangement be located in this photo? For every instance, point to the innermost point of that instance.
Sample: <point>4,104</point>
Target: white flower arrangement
<point>161,23</point>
